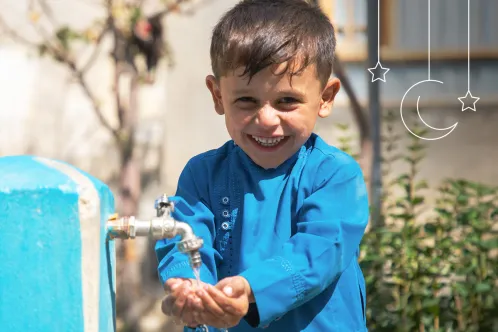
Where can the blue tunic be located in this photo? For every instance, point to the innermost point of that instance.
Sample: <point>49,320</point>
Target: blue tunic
<point>293,232</point>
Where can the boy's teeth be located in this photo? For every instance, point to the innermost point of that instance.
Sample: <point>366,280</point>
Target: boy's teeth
<point>268,141</point>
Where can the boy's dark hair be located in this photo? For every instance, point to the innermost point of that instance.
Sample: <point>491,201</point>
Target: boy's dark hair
<point>258,33</point>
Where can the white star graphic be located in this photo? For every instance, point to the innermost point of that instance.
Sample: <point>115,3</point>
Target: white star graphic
<point>378,74</point>
<point>467,100</point>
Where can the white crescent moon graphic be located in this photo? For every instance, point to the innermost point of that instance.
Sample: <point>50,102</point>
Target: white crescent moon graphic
<point>449,129</point>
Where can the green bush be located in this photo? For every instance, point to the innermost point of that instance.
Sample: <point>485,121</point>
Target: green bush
<point>430,268</point>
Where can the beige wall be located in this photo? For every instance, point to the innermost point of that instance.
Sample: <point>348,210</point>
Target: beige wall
<point>42,112</point>
<point>192,125</point>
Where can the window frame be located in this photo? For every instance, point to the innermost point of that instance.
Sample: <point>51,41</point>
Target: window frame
<point>357,52</point>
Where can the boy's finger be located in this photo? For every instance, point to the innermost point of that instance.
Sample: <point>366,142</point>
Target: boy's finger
<point>211,320</point>
<point>180,303</point>
<point>231,283</point>
<point>172,284</point>
<point>190,311</point>
<point>167,305</point>
<point>226,303</point>
<point>223,282</point>
<point>197,317</point>
<point>209,304</point>
<point>181,288</point>
<point>232,286</point>
<point>188,317</point>
<point>195,303</point>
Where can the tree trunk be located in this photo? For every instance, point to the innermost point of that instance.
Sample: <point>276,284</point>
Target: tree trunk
<point>129,277</point>
<point>361,120</point>
<point>129,283</point>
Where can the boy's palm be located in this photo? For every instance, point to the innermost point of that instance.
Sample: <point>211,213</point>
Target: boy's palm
<point>220,306</point>
<point>225,304</point>
<point>175,304</point>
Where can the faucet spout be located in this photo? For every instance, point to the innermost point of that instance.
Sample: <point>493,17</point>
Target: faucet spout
<point>163,226</point>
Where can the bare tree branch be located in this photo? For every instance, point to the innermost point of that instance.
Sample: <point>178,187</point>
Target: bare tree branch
<point>47,12</point>
<point>96,51</point>
<point>61,56</point>
<point>45,35</point>
<point>170,8</point>
<point>96,106</point>
<point>117,67</point>
<point>15,36</point>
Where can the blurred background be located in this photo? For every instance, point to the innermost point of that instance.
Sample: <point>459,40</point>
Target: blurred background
<point>116,88</point>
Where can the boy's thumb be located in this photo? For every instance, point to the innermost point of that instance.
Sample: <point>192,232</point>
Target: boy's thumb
<point>235,287</point>
<point>228,290</point>
<point>226,286</point>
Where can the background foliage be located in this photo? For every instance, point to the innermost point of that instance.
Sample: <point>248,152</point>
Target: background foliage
<point>430,268</point>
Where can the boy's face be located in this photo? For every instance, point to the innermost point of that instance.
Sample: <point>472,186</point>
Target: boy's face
<point>269,117</point>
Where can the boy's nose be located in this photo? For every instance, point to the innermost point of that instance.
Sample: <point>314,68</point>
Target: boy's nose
<point>267,117</point>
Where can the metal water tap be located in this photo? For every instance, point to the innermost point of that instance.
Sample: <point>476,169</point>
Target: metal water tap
<point>163,226</point>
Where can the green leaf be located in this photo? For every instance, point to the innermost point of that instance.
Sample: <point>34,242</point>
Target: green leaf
<point>447,243</point>
<point>479,225</point>
<point>483,287</point>
<point>403,216</point>
<point>65,35</point>
<point>494,214</point>
<point>430,228</point>
<point>432,304</point>
<point>417,200</point>
<point>490,244</point>
<point>461,289</point>
<point>397,281</point>
<point>421,185</point>
<point>444,213</point>
<point>342,126</point>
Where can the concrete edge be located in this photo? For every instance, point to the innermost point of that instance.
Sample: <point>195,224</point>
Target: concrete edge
<point>90,219</point>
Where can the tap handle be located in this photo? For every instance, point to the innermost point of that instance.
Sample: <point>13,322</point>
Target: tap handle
<point>162,204</point>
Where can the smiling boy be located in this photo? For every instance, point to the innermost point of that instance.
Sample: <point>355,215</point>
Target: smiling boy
<point>281,212</point>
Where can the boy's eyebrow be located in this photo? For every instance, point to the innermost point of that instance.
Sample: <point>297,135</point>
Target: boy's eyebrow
<point>283,92</point>
<point>293,92</point>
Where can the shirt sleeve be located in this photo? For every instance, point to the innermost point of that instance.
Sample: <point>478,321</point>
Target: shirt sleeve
<point>191,208</point>
<point>331,224</point>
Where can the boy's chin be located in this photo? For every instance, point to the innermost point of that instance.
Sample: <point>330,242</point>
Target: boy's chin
<point>268,164</point>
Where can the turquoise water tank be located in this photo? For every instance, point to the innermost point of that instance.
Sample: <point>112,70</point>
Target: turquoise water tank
<point>56,267</point>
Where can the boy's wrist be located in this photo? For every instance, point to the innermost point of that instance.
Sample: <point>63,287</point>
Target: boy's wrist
<point>249,293</point>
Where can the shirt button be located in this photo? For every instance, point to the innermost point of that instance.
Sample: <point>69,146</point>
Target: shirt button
<point>225,213</point>
<point>225,200</point>
<point>225,225</point>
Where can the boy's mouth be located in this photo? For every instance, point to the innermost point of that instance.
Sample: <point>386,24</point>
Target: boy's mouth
<point>268,142</point>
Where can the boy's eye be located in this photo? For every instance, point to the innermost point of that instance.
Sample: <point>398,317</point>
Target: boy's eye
<point>288,103</point>
<point>288,100</point>
<point>246,100</point>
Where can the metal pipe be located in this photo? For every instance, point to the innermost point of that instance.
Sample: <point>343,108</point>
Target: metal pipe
<point>375,121</point>
<point>161,227</point>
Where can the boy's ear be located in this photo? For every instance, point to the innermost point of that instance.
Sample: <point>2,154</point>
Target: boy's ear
<point>328,95</point>
<point>214,87</point>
